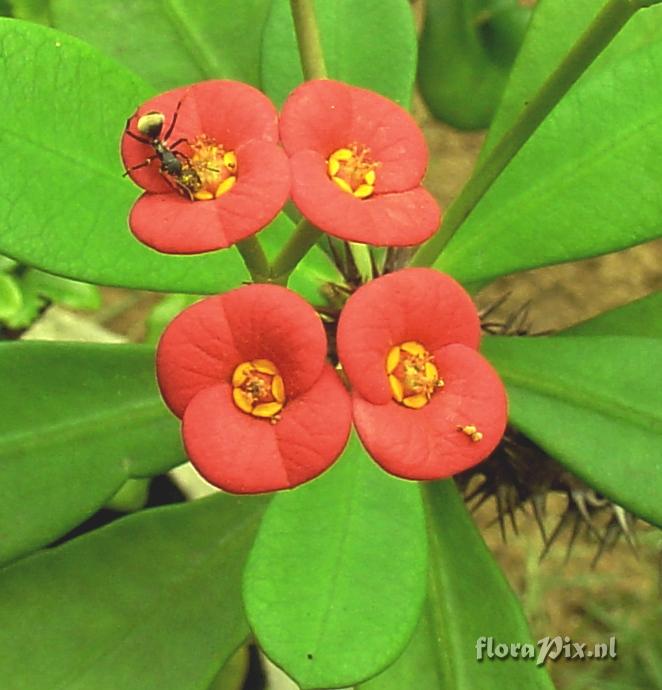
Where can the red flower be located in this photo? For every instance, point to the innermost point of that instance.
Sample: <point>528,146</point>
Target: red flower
<point>357,161</point>
<point>225,179</point>
<point>246,372</point>
<point>426,404</point>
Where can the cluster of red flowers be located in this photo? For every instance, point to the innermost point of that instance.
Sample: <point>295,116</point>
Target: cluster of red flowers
<point>247,372</point>
<point>351,160</point>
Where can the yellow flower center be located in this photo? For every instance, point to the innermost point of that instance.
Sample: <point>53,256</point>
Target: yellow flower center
<point>412,375</point>
<point>353,170</point>
<point>215,167</point>
<point>258,389</point>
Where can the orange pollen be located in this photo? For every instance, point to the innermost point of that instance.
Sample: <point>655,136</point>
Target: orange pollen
<point>412,375</point>
<point>353,170</point>
<point>258,389</point>
<point>216,168</point>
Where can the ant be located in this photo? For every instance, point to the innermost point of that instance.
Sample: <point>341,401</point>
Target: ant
<point>174,164</point>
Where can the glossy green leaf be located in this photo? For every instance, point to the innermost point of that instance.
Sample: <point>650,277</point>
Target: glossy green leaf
<point>642,317</point>
<point>76,421</point>
<point>10,296</point>
<point>7,264</point>
<point>370,44</point>
<point>586,183</point>
<point>132,496</point>
<point>68,293</point>
<point>334,585</point>
<point>466,50</point>
<point>172,43</point>
<point>469,599</point>
<point>151,602</point>
<point>595,404</point>
<point>64,207</point>
<point>554,29</point>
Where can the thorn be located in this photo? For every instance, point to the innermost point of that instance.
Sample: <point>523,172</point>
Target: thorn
<point>490,308</point>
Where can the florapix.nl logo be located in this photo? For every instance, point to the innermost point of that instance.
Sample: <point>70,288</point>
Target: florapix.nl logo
<point>552,648</point>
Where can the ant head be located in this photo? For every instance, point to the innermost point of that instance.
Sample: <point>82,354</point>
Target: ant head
<point>150,124</point>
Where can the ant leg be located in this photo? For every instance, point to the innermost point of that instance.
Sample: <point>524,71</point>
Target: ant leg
<point>177,143</point>
<point>142,140</point>
<point>174,120</point>
<point>144,164</point>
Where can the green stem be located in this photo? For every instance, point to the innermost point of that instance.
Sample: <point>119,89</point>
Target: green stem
<point>255,259</point>
<point>593,41</point>
<point>308,39</point>
<point>304,237</point>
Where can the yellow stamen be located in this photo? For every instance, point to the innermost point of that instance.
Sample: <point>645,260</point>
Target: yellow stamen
<point>203,196</point>
<point>364,191</point>
<point>415,402</point>
<point>396,388</point>
<point>278,389</point>
<point>215,168</point>
<point>353,170</point>
<point>258,389</point>
<point>225,186</point>
<point>412,376</point>
<point>342,184</point>
<point>267,409</point>
<point>241,373</point>
<point>265,366</point>
<point>393,359</point>
<point>242,400</point>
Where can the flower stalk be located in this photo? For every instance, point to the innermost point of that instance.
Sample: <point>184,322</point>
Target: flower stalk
<point>308,39</point>
<point>255,259</point>
<point>304,237</point>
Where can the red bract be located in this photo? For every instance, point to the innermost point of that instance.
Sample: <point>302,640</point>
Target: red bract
<point>357,161</point>
<point>426,404</point>
<point>234,178</point>
<point>246,372</point>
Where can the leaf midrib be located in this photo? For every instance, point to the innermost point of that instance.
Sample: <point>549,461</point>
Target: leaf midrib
<point>594,400</point>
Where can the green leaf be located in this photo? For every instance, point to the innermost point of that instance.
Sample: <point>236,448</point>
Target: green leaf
<point>11,298</point>
<point>76,421</point>
<point>466,50</point>
<point>131,496</point>
<point>595,404</point>
<point>69,293</point>
<point>370,43</point>
<point>586,183</point>
<point>583,185</point>
<point>151,602</point>
<point>642,317</point>
<point>172,43</point>
<point>64,208</point>
<point>469,599</point>
<point>32,10</point>
<point>7,264</point>
<point>334,585</point>
<point>554,29</point>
